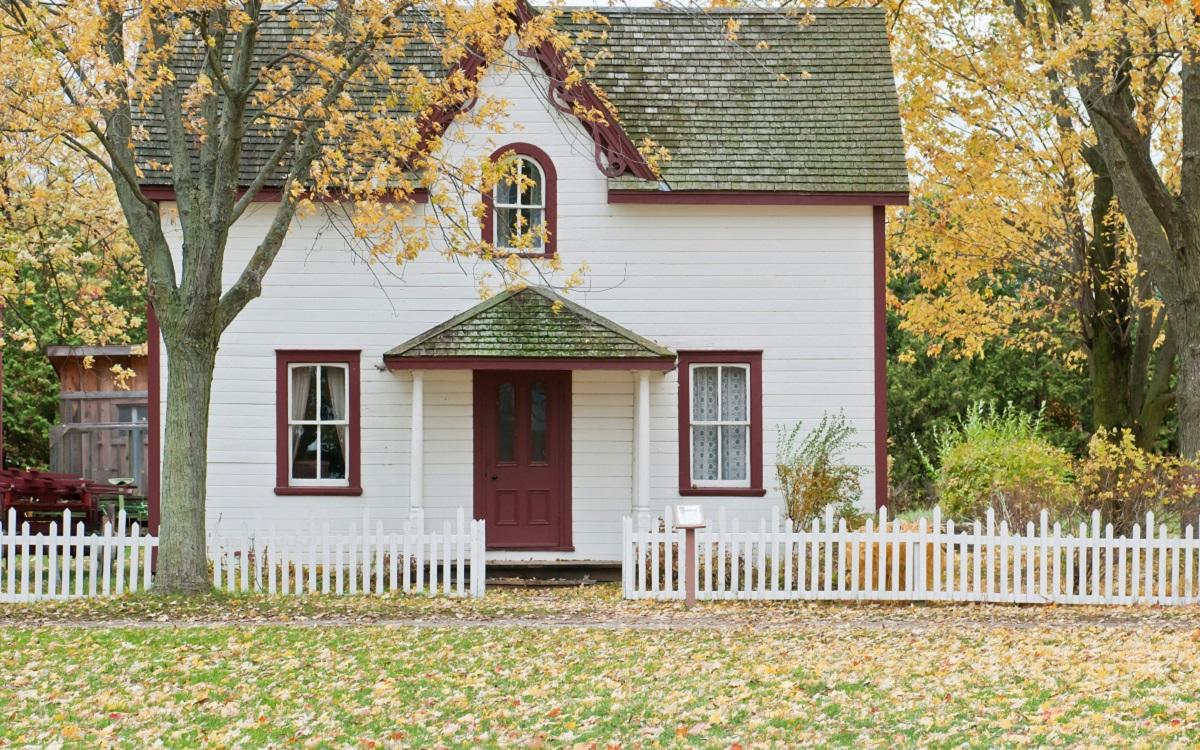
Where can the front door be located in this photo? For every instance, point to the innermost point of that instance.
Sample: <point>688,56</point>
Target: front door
<point>523,458</point>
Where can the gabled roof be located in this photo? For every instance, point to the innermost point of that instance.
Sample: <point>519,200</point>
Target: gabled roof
<point>789,105</point>
<point>533,323</point>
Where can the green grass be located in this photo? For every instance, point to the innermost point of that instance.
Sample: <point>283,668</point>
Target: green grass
<point>335,687</point>
<point>843,676</point>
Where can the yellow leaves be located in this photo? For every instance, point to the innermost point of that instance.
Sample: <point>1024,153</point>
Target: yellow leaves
<point>732,27</point>
<point>999,185</point>
<point>123,377</point>
<point>377,154</point>
<point>64,252</point>
<point>1117,472</point>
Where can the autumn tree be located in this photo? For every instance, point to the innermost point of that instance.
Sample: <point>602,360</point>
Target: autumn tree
<point>350,118</point>
<point>69,274</point>
<point>1135,66</point>
<point>1014,234</point>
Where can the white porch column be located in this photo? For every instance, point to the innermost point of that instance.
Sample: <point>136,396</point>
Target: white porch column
<point>416,453</point>
<point>641,442</point>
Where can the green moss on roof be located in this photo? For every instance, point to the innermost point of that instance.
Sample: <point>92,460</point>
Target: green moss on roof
<point>530,323</point>
<point>814,109</point>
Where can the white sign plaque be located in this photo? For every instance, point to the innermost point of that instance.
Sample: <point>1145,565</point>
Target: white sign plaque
<point>689,516</point>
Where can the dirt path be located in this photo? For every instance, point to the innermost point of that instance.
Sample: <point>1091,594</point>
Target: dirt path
<point>768,622</point>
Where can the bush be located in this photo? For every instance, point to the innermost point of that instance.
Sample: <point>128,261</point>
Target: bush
<point>1124,482</point>
<point>1000,459</point>
<point>812,471</point>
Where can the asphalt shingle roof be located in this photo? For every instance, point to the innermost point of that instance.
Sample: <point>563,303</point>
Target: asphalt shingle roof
<point>811,109</point>
<point>534,323</point>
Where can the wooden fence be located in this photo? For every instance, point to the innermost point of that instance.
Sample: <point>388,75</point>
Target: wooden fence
<point>66,562</point>
<point>923,561</point>
<point>361,559</point>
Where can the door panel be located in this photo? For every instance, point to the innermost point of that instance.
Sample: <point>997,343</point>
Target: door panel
<point>539,508</point>
<point>503,510</point>
<point>523,458</point>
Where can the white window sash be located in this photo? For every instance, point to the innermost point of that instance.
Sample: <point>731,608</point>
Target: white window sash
<point>497,205</point>
<point>293,481</point>
<point>694,423</point>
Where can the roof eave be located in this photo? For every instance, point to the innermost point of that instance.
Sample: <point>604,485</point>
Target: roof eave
<point>757,197</point>
<point>399,363</point>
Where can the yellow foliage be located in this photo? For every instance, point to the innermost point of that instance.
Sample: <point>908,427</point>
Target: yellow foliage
<point>60,223</point>
<point>64,84</point>
<point>1126,482</point>
<point>999,224</point>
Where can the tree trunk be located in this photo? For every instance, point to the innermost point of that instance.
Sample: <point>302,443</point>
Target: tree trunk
<point>182,560</point>
<point>1110,354</point>
<point>1187,388</point>
<point>1109,365</point>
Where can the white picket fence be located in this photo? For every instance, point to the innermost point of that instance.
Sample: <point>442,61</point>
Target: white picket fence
<point>361,559</point>
<point>926,561</point>
<point>65,562</point>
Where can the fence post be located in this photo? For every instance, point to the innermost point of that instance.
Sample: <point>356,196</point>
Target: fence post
<point>627,557</point>
<point>1187,564</point>
<point>689,568</point>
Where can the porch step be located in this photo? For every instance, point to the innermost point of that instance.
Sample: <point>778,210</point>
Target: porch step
<point>540,583</point>
<point>551,573</point>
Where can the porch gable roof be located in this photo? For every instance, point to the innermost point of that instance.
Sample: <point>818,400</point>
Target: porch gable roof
<point>529,327</point>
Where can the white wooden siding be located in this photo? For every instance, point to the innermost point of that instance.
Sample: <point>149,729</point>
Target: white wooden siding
<point>793,281</point>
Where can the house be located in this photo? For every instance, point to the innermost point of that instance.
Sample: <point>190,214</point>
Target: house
<point>740,292</point>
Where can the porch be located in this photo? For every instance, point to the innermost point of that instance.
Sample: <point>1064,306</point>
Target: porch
<point>550,383</point>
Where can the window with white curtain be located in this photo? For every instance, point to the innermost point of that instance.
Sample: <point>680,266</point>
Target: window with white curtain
<point>720,425</point>
<point>318,421</point>
<point>519,203</point>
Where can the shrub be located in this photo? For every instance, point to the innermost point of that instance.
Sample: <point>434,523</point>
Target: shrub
<point>1124,482</point>
<point>812,471</point>
<point>1000,458</point>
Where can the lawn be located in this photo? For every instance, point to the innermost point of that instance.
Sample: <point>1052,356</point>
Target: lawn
<point>583,669</point>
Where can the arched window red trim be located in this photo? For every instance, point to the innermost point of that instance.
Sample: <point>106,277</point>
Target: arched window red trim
<point>529,151</point>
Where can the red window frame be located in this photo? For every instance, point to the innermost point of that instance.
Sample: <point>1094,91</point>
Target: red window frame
<point>286,357</point>
<point>728,357</point>
<point>530,151</point>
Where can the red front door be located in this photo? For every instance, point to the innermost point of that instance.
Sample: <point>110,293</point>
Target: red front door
<point>523,458</point>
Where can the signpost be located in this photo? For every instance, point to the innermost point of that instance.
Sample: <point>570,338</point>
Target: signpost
<point>689,518</point>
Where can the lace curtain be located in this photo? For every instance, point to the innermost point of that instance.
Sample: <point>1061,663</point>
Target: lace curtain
<point>720,451</point>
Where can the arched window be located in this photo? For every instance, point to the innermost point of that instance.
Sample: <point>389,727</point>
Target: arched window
<point>520,215</point>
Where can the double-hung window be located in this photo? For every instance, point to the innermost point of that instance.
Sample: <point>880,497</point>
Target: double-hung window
<point>520,205</point>
<point>520,211</point>
<point>318,416</point>
<point>720,423</point>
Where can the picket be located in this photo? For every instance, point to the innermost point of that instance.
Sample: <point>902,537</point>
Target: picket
<point>366,559</point>
<point>66,562</point>
<point>931,561</point>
